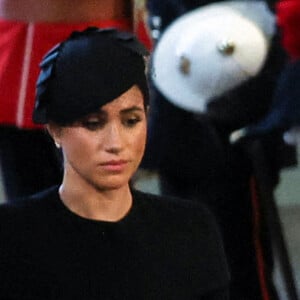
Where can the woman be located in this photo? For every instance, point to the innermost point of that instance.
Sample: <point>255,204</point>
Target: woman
<point>94,237</point>
<point>28,28</point>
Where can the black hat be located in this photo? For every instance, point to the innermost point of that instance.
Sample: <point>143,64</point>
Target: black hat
<point>86,71</point>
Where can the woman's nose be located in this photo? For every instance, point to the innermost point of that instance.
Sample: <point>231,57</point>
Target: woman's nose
<point>114,139</point>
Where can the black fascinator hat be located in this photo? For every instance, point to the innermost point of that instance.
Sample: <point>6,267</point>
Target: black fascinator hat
<point>86,71</point>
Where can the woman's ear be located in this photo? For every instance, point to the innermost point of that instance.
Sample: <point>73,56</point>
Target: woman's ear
<point>55,132</point>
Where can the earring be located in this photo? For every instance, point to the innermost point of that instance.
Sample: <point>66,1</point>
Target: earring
<point>58,146</point>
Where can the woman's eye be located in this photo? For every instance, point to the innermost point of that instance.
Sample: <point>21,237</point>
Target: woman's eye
<point>130,122</point>
<point>93,124</point>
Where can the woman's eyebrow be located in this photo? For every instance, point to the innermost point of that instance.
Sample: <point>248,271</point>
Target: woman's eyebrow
<point>103,112</point>
<point>132,109</point>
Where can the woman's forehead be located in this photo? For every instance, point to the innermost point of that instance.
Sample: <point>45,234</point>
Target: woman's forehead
<point>131,98</point>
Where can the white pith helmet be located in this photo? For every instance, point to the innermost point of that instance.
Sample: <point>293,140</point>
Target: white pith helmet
<point>211,50</point>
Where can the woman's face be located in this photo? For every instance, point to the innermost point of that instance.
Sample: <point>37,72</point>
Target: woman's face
<point>104,149</point>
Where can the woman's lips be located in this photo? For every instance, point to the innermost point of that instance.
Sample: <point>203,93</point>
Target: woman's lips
<point>114,165</point>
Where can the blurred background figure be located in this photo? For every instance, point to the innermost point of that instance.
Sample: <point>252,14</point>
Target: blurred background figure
<point>28,28</point>
<point>234,89</point>
<point>284,113</point>
<point>288,15</point>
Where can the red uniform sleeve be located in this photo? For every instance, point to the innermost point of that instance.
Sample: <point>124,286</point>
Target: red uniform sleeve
<point>288,20</point>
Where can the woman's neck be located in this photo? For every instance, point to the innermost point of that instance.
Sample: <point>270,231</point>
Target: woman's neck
<point>91,203</point>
